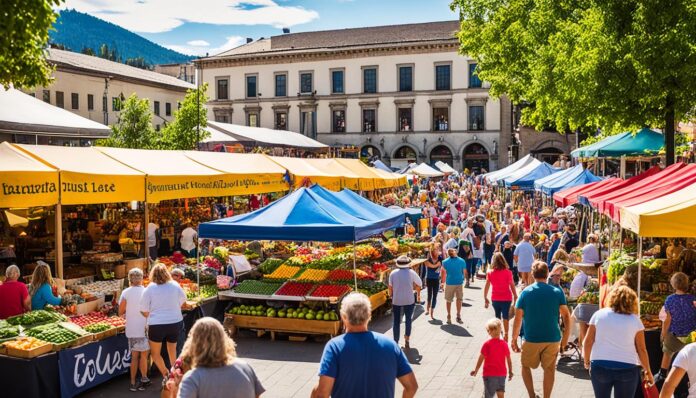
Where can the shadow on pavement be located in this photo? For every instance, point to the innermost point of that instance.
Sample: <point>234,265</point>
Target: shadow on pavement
<point>572,368</point>
<point>413,355</point>
<point>249,346</point>
<point>456,330</point>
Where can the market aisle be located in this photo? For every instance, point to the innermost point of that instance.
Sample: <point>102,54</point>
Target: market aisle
<point>441,355</point>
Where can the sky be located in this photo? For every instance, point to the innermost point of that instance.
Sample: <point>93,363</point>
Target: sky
<point>199,27</point>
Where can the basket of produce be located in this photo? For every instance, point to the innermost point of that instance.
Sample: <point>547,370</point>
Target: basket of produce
<point>26,347</point>
<point>56,334</point>
<point>36,317</point>
<point>101,330</point>
<point>283,272</point>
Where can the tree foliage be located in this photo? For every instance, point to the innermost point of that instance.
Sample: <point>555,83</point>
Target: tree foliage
<point>25,26</point>
<point>584,64</point>
<point>183,132</point>
<point>134,127</point>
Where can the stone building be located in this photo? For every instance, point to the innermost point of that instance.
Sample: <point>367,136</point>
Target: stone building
<point>401,93</point>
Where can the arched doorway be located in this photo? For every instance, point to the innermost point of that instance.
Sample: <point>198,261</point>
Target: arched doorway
<point>403,156</point>
<point>475,158</point>
<point>441,153</point>
<point>371,153</point>
<point>547,154</point>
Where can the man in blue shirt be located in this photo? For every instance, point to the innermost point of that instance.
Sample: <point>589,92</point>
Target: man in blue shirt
<point>361,363</point>
<point>455,267</point>
<point>540,305</point>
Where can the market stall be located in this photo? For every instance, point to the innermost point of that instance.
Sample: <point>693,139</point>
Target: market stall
<point>568,178</point>
<point>569,196</point>
<point>423,170</point>
<point>495,176</point>
<point>523,179</point>
<point>294,291</point>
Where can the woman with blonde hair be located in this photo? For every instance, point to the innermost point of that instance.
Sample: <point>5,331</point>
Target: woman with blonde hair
<point>614,348</point>
<point>161,304</point>
<point>41,288</point>
<point>215,369</point>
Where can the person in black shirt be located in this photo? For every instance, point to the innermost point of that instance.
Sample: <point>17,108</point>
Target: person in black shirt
<point>509,254</point>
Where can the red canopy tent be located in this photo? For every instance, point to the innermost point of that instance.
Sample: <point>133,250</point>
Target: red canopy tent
<point>678,180</point>
<point>569,196</point>
<point>586,197</point>
<point>599,201</point>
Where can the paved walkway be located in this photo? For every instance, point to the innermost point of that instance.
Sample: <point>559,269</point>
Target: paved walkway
<point>441,355</point>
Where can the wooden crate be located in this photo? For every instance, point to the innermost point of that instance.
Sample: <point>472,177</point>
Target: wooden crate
<point>40,350</point>
<point>105,334</point>
<point>378,300</point>
<point>73,343</point>
<point>284,325</point>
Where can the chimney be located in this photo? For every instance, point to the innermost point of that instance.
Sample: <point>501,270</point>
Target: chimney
<point>249,40</point>
<point>286,31</point>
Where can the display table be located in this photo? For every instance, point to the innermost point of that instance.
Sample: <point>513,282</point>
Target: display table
<point>284,325</point>
<point>65,373</point>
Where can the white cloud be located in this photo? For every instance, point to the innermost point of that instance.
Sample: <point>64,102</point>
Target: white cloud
<point>198,43</point>
<point>156,16</point>
<point>192,49</point>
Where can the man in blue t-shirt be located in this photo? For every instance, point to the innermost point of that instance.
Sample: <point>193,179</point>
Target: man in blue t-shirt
<point>455,268</point>
<point>361,363</point>
<point>540,305</point>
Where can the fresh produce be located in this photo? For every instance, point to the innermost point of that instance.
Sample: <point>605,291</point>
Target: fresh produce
<point>650,307</point>
<point>329,262</point>
<point>618,262</point>
<point>115,321</point>
<point>97,317</point>
<point>289,312</point>
<point>589,298</point>
<point>53,333</point>
<point>370,288</point>
<point>25,343</point>
<point>340,275</point>
<point>257,287</point>
<point>9,332</point>
<point>313,275</point>
<point>208,291</point>
<point>99,288</point>
<point>270,265</point>
<point>36,317</point>
<point>330,291</point>
<point>283,272</point>
<point>295,289</point>
<point>98,327</point>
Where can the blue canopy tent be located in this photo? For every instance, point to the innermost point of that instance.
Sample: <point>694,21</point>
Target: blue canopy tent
<point>581,176</point>
<point>359,206</point>
<point>556,176</point>
<point>523,179</point>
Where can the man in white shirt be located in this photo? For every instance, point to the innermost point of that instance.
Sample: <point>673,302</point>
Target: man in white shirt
<point>590,252</point>
<point>129,304</point>
<point>152,241</point>
<point>684,363</point>
<point>188,240</point>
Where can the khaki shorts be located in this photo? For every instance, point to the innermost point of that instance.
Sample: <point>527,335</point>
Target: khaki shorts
<point>671,344</point>
<point>545,354</point>
<point>452,291</point>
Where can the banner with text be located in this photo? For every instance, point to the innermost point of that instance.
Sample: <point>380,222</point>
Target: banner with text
<point>87,366</point>
<point>28,189</point>
<point>200,186</point>
<point>84,188</point>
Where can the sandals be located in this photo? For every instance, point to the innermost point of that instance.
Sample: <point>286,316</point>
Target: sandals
<point>449,320</point>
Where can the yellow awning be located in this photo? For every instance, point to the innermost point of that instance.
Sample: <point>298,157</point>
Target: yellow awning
<point>306,173</point>
<point>349,179</point>
<point>172,174</point>
<point>246,173</point>
<point>670,216</point>
<point>366,172</point>
<point>15,220</point>
<point>87,176</point>
<point>25,181</point>
<point>392,179</point>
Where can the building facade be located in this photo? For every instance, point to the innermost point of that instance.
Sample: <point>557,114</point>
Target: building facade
<point>95,88</point>
<point>185,72</point>
<point>400,93</point>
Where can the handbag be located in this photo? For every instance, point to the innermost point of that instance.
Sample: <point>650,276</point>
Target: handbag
<point>649,391</point>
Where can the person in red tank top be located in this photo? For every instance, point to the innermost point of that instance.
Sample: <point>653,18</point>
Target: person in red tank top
<point>14,296</point>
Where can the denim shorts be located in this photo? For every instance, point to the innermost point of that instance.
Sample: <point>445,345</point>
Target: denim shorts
<point>493,384</point>
<point>502,309</point>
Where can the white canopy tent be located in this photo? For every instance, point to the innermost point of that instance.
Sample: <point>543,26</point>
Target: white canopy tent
<point>423,170</point>
<point>264,135</point>
<point>505,172</point>
<point>445,168</point>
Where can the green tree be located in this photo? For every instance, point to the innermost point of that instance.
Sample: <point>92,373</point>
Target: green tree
<point>134,127</point>
<point>183,132</point>
<point>582,64</point>
<point>88,51</point>
<point>25,26</point>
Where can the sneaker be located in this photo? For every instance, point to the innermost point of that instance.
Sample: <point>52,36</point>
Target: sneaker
<point>134,387</point>
<point>141,387</point>
<point>145,381</point>
<point>459,319</point>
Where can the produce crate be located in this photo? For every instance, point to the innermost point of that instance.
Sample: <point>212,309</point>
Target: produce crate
<point>379,299</point>
<point>105,334</point>
<point>89,306</point>
<point>40,350</point>
<point>285,325</point>
<point>73,343</point>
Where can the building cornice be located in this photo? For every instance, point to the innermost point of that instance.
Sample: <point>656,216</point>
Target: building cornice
<point>327,54</point>
<point>66,68</point>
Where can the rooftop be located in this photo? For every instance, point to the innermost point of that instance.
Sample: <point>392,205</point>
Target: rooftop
<point>348,38</point>
<point>105,67</point>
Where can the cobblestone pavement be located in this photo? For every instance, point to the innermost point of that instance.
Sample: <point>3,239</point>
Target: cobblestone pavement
<point>441,355</point>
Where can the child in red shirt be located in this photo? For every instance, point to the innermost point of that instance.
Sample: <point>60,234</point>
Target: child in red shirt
<point>494,354</point>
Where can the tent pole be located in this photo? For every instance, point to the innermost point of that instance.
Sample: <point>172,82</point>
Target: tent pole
<point>640,260</point>
<point>198,262</point>
<point>59,240</point>
<point>355,274</point>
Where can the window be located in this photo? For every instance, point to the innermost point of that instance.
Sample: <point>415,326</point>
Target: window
<point>157,108</point>
<point>476,117</point>
<point>281,85</point>
<point>253,119</point>
<point>405,119</point>
<point>442,77</point>
<point>75,101</point>
<point>369,120</point>
<point>405,78</point>
<point>60,100</point>
<point>370,80</point>
<point>440,119</point>
<point>338,121</point>
<point>47,96</point>
<point>90,102</point>
<point>306,84</point>
<point>105,104</point>
<point>221,118</point>
<point>251,86</point>
<point>115,104</point>
<point>474,80</point>
<point>223,89</point>
<point>168,109</point>
<point>281,120</point>
<point>337,82</point>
